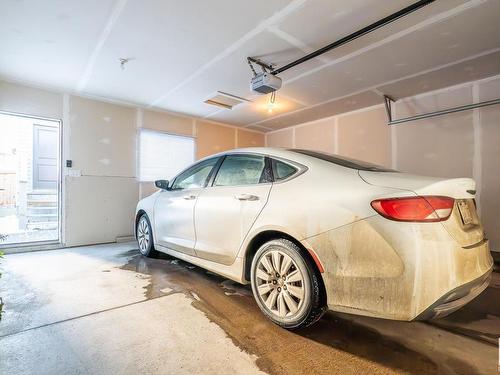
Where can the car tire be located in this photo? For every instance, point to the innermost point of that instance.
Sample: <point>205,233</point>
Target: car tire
<point>144,235</point>
<point>286,285</point>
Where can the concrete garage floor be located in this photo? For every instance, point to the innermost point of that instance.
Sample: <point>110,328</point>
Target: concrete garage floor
<point>106,309</point>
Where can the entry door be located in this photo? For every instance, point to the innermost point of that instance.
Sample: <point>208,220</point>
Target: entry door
<point>174,208</point>
<point>225,212</point>
<point>45,151</point>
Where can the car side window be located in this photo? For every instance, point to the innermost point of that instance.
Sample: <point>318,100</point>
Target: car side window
<point>282,171</point>
<point>241,170</point>
<point>196,176</point>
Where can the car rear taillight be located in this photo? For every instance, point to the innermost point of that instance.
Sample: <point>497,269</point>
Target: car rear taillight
<point>416,209</point>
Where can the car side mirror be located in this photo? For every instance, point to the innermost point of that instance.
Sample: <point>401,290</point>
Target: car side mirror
<point>162,184</point>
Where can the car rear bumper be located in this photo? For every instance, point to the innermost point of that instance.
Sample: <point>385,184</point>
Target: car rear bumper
<point>456,298</point>
<point>385,269</point>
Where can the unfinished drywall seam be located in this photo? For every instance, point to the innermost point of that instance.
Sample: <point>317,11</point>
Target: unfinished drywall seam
<point>139,118</point>
<point>335,135</point>
<point>217,111</point>
<point>193,128</point>
<point>108,176</point>
<point>442,90</point>
<point>275,18</point>
<point>477,167</point>
<point>123,103</point>
<point>394,141</point>
<point>449,89</point>
<point>226,125</point>
<point>89,67</point>
<point>263,131</point>
<point>66,155</point>
<point>423,24</point>
<point>67,126</point>
<point>360,110</point>
<point>299,44</point>
<point>257,123</point>
<point>437,18</point>
<point>333,117</point>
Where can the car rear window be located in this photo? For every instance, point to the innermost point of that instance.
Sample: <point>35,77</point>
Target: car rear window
<point>343,161</point>
<point>282,170</point>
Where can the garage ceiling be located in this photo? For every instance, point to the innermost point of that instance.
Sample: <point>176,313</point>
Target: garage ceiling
<point>183,52</point>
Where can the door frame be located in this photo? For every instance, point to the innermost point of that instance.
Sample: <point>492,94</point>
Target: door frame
<point>48,244</point>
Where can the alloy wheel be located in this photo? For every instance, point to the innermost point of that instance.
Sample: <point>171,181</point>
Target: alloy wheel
<point>143,235</point>
<point>280,284</point>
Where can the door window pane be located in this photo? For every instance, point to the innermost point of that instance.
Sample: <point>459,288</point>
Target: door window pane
<point>240,170</point>
<point>196,176</point>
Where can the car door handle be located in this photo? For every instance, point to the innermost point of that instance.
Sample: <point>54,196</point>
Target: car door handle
<point>189,197</point>
<point>246,197</point>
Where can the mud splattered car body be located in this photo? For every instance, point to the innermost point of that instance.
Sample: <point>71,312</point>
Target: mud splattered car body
<point>353,222</point>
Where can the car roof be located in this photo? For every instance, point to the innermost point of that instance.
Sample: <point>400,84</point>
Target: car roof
<point>270,151</point>
<point>307,158</point>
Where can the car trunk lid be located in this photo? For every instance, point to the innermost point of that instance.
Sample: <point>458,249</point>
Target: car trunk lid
<point>458,188</point>
<point>463,224</point>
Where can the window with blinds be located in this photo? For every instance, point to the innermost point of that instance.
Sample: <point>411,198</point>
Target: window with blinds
<point>162,156</point>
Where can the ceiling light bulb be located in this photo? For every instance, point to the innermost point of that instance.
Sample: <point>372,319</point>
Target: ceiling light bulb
<point>272,102</point>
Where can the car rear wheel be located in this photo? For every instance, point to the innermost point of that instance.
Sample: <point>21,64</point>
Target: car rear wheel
<point>145,236</point>
<point>286,285</point>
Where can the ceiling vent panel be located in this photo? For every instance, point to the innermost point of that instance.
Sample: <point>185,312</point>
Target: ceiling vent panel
<point>224,100</point>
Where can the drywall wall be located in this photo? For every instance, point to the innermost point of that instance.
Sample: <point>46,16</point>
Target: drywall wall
<point>166,122</point>
<point>103,138</point>
<point>319,135</point>
<point>281,138</point>
<point>439,146</point>
<point>364,134</point>
<point>99,204</point>
<point>100,138</point>
<point>99,208</point>
<point>246,138</point>
<point>463,144</point>
<point>215,138</point>
<point>29,101</point>
<point>488,132</point>
<point>210,137</point>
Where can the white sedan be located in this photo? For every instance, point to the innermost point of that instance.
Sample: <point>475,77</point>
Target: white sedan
<point>313,231</point>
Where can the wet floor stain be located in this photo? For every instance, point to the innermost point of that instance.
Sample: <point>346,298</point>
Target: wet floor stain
<point>480,319</point>
<point>333,345</point>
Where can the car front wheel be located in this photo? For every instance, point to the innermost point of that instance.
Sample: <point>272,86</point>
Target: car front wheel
<point>286,285</point>
<point>144,235</point>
